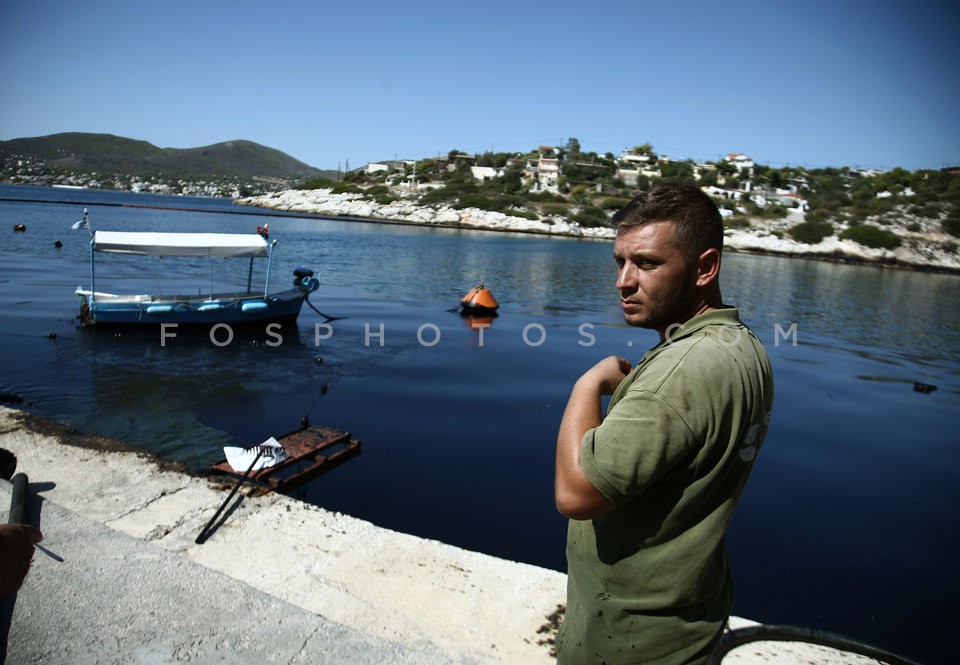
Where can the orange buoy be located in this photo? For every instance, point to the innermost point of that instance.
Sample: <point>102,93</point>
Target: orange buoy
<point>479,300</point>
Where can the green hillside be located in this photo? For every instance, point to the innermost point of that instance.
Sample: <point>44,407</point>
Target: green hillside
<point>107,154</point>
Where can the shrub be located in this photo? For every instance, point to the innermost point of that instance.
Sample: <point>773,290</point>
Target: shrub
<point>479,201</point>
<point>376,190</point>
<point>317,183</point>
<point>817,215</point>
<point>951,225</point>
<point>853,216</point>
<point>525,214</point>
<point>871,236</point>
<point>346,188</point>
<point>614,203</point>
<point>555,209</point>
<point>925,210</point>
<point>811,232</point>
<point>772,211</point>
<point>591,216</point>
<point>546,197</point>
<point>441,195</point>
<point>736,222</point>
<point>865,207</point>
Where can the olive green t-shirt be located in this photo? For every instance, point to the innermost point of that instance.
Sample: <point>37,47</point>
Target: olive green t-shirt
<point>649,582</point>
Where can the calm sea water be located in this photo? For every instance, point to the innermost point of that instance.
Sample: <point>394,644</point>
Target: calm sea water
<point>848,523</point>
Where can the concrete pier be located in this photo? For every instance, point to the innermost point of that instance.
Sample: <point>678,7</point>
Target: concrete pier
<point>277,581</point>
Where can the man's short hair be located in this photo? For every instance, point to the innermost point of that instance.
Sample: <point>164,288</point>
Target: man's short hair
<point>698,225</point>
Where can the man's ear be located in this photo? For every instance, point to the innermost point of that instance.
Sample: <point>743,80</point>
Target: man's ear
<point>708,267</point>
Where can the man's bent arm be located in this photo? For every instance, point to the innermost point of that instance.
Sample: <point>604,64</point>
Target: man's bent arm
<point>576,497</point>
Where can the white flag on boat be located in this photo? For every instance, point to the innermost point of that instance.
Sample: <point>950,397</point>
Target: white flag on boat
<point>270,451</point>
<point>83,223</point>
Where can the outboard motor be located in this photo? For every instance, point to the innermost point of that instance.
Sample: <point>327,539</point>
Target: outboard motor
<point>300,272</point>
<point>305,279</point>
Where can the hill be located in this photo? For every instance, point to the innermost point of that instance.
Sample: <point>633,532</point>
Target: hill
<point>76,152</point>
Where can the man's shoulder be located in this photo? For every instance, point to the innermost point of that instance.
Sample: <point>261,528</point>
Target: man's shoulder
<point>707,352</point>
<point>706,333</point>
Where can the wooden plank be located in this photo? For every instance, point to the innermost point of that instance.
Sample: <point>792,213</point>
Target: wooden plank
<point>320,466</point>
<point>304,445</point>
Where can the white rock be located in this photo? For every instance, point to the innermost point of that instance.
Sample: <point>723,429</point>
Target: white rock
<point>447,216</point>
<point>925,249</point>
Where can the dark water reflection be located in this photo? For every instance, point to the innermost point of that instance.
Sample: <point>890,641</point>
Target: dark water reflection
<point>847,524</point>
<point>873,307</point>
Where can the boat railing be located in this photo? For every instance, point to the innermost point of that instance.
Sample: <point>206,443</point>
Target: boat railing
<point>114,296</point>
<point>179,299</point>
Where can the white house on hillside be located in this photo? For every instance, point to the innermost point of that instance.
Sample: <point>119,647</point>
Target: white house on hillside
<point>630,156</point>
<point>741,161</point>
<point>482,173</point>
<point>544,173</point>
<point>393,165</point>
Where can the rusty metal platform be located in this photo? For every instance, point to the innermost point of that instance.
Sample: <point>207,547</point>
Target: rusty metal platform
<point>312,451</point>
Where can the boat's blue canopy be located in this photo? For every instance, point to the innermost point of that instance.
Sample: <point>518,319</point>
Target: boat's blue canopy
<point>226,245</point>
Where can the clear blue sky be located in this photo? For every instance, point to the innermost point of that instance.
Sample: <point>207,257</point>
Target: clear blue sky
<point>874,84</point>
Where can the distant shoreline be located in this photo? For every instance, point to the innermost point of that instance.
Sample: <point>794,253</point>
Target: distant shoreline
<point>321,204</point>
<point>923,256</point>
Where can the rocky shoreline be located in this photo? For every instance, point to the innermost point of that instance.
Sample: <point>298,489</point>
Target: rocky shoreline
<point>928,249</point>
<point>325,202</point>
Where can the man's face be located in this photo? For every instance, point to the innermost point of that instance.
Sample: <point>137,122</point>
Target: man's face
<point>656,288</point>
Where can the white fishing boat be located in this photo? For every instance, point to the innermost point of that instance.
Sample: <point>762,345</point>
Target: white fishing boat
<point>205,307</point>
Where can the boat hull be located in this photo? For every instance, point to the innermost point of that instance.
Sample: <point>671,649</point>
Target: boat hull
<point>226,308</point>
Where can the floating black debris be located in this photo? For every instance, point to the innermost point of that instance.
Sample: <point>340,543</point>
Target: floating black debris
<point>923,387</point>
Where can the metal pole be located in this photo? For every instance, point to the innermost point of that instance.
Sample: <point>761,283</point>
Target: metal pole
<point>93,284</point>
<point>203,535</point>
<point>266,282</point>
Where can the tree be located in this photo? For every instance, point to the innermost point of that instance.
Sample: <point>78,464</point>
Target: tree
<point>708,177</point>
<point>777,178</point>
<point>645,149</point>
<point>725,168</point>
<point>679,172</point>
<point>573,146</point>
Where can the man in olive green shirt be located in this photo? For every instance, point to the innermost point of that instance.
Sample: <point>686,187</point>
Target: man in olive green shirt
<point>650,488</point>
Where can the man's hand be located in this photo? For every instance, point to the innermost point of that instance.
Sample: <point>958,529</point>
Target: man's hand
<point>16,552</point>
<point>575,495</point>
<point>607,374</point>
